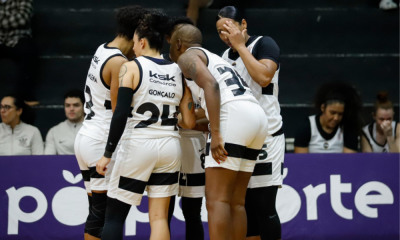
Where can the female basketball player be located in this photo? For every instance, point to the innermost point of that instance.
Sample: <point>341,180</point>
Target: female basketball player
<point>150,154</point>
<point>382,135</point>
<point>336,127</point>
<point>238,128</point>
<point>256,58</point>
<point>101,98</point>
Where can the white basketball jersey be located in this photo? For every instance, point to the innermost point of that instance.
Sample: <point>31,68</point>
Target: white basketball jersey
<point>318,144</point>
<point>370,133</point>
<point>266,96</point>
<point>156,100</point>
<point>97,96</point>
<point>231,85</point>
<point>183,131</point>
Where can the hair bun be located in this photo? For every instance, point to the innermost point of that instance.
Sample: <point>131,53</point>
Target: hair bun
<point>382,97</point>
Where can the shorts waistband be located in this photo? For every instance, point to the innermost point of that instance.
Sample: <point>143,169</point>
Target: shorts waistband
<point>279,132</point>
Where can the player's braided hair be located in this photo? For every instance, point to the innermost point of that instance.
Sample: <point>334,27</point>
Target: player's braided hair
<point>153,27</point>
<point>340,92</point>
<point>128,19</point>
<point>176,21</point>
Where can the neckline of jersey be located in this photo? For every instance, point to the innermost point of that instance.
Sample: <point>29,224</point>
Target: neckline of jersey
<point>158,61</point>
<point>325,135</point>
<point>107,47</point>
<point>235,55</point>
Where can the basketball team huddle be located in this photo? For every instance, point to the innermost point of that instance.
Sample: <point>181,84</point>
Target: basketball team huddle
<point>187,123</point>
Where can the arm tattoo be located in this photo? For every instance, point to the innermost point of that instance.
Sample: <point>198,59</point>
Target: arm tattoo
<point>122,73</point>
<point>190,105</point>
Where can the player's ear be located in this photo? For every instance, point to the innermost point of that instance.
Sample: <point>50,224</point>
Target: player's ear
<point>244,24</point>
<point>168,38</point>
<point>142,43</point>
<point>178,44</point>
<point>323,107</point>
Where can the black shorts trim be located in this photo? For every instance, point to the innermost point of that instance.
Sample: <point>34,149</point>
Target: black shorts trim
<point>268,90</point>
<point>279,132</point>
<point>238,151</point>
<point>163,178</point>
<point>94,173</point>
<point>192,179</point>
<point>86,175</point>
<point>132,185</point>
<point>262,169</point>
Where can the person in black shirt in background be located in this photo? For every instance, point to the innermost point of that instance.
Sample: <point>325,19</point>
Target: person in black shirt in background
<point>256,59</point>
<point>335,129</point>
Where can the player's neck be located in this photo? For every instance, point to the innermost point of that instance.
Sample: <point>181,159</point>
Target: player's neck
<point>122,44</point>
<point>325,126</point>
<point>151,53</point>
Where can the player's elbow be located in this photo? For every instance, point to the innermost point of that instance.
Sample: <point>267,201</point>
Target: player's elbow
<point>264,81</point>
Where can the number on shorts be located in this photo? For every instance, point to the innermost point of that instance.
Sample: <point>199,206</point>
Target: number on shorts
<point>263,153</point>
<point>155,114</point>
<point>89,104</point>
<point>236,79</point>
<point>203,159</point>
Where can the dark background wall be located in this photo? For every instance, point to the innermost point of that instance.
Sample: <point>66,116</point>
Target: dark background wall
<point>320,41</point>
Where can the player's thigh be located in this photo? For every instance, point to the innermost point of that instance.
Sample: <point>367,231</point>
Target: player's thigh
<point>164,178</point>
<point>240,188</point>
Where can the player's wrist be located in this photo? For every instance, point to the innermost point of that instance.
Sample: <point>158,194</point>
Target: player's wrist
<point>107,154</point>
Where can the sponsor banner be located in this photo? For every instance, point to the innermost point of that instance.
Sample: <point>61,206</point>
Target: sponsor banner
<point>331,196</point>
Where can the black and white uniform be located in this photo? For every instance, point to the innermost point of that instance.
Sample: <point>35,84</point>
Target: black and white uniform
<point>369,132</point>
<point>243,124</point>
<point>149,157</point>
<point>92,137</point>
<point>269,164</point>
<point>313,136</point>
<point>192,177</point>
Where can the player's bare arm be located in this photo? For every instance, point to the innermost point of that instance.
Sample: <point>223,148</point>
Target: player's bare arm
<point>300,149</point>
<point>200,113</point>
<point>261,71</point>
<point>193,65</point>
<point>365,146</point>
<point>128,82</point>
<point>186,117</point>
<point>111,75</point>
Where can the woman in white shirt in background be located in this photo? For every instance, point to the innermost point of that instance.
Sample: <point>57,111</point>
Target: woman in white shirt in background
<point>382,135</point>
<point>17,136</point>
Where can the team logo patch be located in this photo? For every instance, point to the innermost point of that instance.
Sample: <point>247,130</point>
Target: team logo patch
<point>92,77</point>
<point>23,142</point>
<point>326,145</point>
<point>96,59</point>
<point>162,77</point>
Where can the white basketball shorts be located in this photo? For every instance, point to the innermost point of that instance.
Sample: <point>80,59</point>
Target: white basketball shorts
<point>243,127</point>
<point>150,164</point>
<point>88,152</point>
<point>269,165</point>
<point>192,177</point>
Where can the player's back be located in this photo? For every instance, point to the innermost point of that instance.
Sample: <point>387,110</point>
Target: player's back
<point>156,99</point>
<point>232,86</point>
<point>97,95</point>
<point>266,96</point>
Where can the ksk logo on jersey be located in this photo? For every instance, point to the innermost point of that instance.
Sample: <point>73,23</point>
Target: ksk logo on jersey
<point>162,77</point>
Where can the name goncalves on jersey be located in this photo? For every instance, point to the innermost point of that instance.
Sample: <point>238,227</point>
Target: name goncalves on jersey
<point>161,93</point>
<point>162,79</point>
<point>92,77</point>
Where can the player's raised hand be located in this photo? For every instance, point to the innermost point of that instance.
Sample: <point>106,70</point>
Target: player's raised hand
<point>217,148</point>
<point>236,37</point>
<point>387,128</point>
<point>101,166</point>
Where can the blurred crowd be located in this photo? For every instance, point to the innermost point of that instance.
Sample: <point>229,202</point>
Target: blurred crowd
<point>337,128</point>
